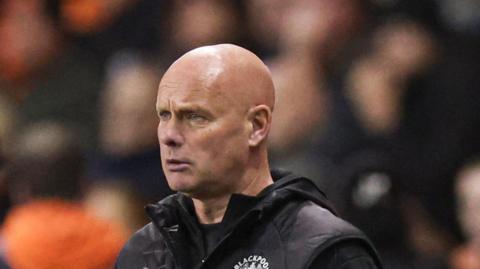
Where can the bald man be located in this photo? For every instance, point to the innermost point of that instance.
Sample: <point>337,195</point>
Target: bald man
<point>215,109</point>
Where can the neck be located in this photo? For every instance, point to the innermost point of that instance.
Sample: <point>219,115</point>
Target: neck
<point>212,210</point>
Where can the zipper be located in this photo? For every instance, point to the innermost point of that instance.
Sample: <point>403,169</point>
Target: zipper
<point>234,228</point>
<point>167,232</point>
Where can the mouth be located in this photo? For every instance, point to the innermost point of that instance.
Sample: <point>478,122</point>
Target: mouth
<point>177,165</point>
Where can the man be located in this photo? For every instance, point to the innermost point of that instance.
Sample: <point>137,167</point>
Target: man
<point>467,191</point>
<point>47,225</point>
<point>215,105</point>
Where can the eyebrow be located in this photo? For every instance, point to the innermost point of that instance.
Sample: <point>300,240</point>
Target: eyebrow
<point>186,108</point>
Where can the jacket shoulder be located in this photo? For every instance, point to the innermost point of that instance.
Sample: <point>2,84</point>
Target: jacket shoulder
<point>143,243</point>
<point>314,229</point>
<point>317,219</point>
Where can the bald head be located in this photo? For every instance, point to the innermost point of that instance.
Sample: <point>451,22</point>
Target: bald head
<point>215,109</point>
<point>229,71</point>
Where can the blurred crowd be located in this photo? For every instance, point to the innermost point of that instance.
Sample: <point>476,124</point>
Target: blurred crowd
<point>377,100</point>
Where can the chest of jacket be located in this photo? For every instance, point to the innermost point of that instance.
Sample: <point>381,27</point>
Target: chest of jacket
<point>290,239</point>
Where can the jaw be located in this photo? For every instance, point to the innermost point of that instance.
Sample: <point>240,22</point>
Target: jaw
<point>180,181</point>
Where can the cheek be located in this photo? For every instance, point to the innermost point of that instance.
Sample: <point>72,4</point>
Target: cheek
<point>207,147</point>
<point>223,141</point>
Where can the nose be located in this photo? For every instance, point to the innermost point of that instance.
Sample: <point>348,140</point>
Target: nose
<point>169,134</point>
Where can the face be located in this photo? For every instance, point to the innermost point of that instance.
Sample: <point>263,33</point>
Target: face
<point>20,23</point>
<point>468,192</point>
<point>128,119</point>
<point>202,132</point>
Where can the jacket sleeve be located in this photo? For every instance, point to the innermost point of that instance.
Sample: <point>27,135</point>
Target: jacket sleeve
<point>345,255</point>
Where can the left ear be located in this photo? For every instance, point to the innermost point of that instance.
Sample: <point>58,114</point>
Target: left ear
<point>260,118</point>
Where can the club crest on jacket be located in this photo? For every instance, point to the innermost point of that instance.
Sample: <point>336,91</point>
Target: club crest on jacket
<point>252,262</point>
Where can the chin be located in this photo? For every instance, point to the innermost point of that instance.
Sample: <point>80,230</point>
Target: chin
<point>180,183</point>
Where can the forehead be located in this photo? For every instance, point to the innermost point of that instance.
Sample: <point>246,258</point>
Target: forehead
<point>192,85</point>
<point>186,90</point>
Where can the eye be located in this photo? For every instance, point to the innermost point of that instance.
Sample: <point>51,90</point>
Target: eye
<point>195,117</point>
<point>164,115</point>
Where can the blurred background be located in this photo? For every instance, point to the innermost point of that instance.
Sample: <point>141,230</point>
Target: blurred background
<point>377,100</point>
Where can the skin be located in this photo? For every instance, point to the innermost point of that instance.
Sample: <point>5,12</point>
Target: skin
<point>468,196</point>
<point>128,118</point>
<point>214,106</point>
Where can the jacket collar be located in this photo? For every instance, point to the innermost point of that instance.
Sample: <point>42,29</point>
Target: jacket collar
<point>286,186</point>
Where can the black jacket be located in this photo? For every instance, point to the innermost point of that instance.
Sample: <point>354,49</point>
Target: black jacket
<point>289,225</point>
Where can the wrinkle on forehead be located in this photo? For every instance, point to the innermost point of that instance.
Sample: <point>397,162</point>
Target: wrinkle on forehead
<point>169,84</point>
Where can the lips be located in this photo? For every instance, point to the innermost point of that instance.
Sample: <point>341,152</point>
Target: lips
<point>177,165</point>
